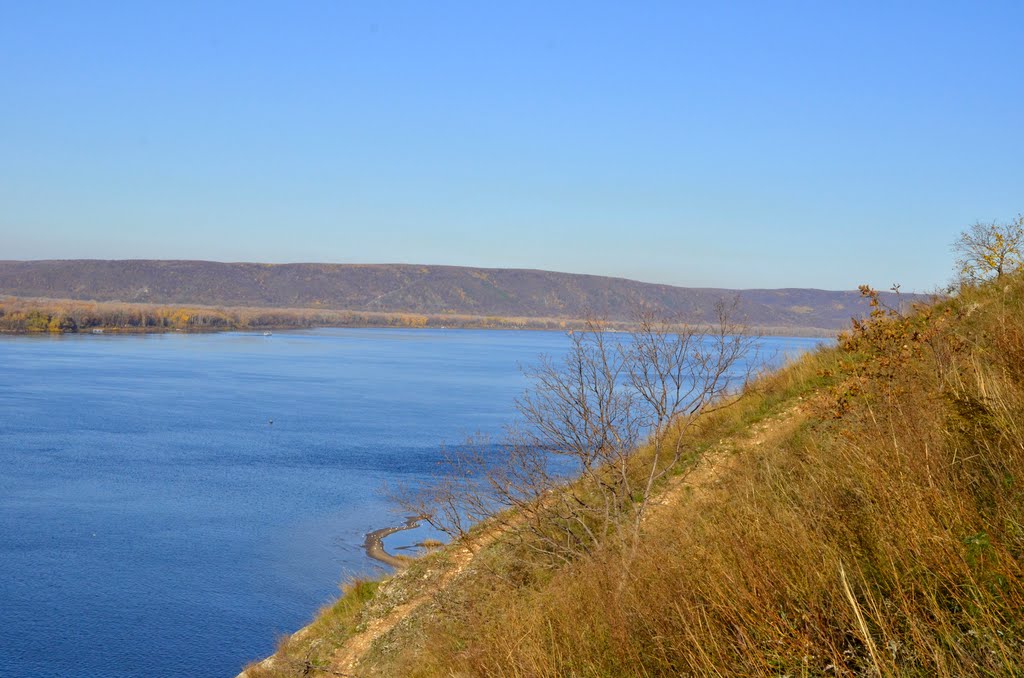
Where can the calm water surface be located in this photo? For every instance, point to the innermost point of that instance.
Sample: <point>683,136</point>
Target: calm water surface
<point>153,522</point>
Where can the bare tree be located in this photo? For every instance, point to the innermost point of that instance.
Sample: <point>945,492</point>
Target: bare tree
<point>446,501</point>
<point>598,429</point>
<point>989,251</point>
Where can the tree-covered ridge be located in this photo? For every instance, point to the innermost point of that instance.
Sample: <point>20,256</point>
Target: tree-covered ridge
<point>423,290</point>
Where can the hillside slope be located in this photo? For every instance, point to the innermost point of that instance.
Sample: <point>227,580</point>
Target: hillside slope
<point>400,288</point>
<point>859,512</point>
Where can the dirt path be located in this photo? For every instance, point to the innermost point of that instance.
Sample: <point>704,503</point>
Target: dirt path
<point>347,657</point>
<point>718,460</point>
<point>703,478</point>
<point>704,475</point>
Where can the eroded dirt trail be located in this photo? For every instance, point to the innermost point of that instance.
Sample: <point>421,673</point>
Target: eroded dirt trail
<point>345,661</point>
<point>716,462</point>
<point>713,465</point>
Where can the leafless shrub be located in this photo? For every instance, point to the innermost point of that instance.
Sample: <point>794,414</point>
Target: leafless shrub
<point>598,429</point>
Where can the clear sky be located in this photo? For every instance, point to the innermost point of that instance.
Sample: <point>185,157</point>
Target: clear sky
<point>767,144</point>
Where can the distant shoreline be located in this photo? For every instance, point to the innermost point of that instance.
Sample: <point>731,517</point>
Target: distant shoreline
<point>42,316</point>
<point>803,332</point>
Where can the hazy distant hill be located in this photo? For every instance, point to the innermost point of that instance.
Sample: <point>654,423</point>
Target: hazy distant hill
<point>413,289</point>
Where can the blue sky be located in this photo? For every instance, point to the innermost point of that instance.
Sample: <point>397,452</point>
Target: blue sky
<point>776,144</point>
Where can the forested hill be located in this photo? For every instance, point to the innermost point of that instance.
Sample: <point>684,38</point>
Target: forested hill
<point>404,288</point>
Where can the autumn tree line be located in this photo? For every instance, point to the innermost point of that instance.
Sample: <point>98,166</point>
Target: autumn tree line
<point>19,316</point>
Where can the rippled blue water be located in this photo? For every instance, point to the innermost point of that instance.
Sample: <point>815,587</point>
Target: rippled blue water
<point>153,522</point>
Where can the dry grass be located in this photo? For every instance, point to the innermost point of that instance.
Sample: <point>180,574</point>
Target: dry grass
<point>310,649</point>
<point>881,536</point>
<point>870,522</point>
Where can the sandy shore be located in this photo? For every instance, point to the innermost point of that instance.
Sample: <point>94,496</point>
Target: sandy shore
<point>374,543</point>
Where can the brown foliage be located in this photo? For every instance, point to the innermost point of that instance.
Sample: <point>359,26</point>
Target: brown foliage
<point>70,316</point>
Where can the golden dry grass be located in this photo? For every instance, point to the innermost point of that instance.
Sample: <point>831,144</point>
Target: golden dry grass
<point>869,521</point>
<point>883,535</point>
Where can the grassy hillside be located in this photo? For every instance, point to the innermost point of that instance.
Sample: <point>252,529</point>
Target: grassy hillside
<point>424,290</point>
<point>859,512</point>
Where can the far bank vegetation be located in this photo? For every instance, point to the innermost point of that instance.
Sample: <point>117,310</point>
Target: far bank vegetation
<point>71,316</point>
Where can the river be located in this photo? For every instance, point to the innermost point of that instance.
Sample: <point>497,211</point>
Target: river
<point>171,503</point>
